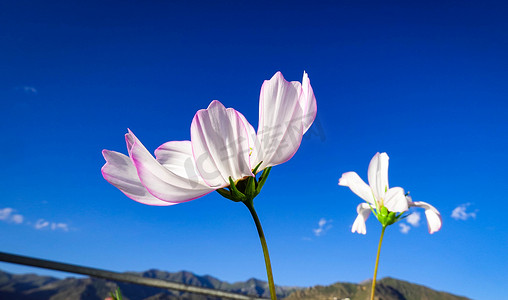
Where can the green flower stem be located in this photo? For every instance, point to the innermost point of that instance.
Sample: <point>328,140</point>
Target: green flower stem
<point>377,263</point>
<point>250,206</point>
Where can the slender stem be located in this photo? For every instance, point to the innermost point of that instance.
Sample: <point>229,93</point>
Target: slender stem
<point>250,206</point>
<point>377,263</point>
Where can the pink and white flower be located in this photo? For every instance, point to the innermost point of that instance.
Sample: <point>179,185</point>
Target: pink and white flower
<point>223,144</point>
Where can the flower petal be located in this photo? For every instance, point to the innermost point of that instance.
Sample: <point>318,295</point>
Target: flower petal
<point>176,156</point>
<point>363,210</point>
<point>171,184</point>
<point>378,174</point>
<point>252,140</point>
<point>434,221</point>
<point>220,143</point>
<point>308,103</point>
<point>395,200</point>
<point>281,120</point>
<point>358,186</point>
<point>120,172</point>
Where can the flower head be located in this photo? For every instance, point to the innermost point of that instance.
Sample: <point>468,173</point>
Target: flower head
<point>223,151</point>
<point>388,204</point>
<point>385,202</point>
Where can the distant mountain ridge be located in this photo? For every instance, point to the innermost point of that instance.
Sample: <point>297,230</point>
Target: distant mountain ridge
<point>386,289</point>
<point>35,287</point>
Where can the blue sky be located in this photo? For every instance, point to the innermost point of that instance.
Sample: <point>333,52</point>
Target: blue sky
<point>423,81</point>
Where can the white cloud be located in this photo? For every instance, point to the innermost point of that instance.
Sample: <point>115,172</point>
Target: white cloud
<point>324,226</point>
<point>41,223</point>
<point>62,226</point>
<point>6,215</point>
<point>414,219</point>
<point>29,90</point>
<point>404,228</point>
<point>460,213</point>
<point>17,218</point>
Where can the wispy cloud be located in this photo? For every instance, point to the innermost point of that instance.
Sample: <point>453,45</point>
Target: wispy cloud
<point>43,224</point>
<point>7,215</point>
<point>60,226</point>
<point>323,226</point>
<point>414,219</point>
<point>29,90</point>
<point>460,212</point>
<point>404,228</point>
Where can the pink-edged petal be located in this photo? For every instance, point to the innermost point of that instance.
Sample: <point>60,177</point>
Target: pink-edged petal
<point>159,180</point>
<point>363,213</point>
<point>176,156</point>
<point>220,143</point>
<point>434,220</point>
<point>252,140</point>
<point>120,172</point>
<point>395,200</point>
<point>378,174</point>
<point>281,121</point>
<point>358,186</point>
<point>308,103</point>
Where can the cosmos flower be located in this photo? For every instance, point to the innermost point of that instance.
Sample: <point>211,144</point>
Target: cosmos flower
<point>388,204</point>
<point>224,147</point>
<point>376,194</point>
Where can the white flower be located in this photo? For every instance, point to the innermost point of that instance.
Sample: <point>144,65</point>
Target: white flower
<point>377,194</point>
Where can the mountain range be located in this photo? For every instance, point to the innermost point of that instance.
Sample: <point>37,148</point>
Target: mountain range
<point>35,287</point>
<point>386,289</point>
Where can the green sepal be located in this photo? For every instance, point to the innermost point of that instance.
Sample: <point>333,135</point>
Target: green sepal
<point>386,217</point>
<point>226,194</point>
<point>117,295</point>
<point>255,170</point>
<point>384,212</point>
<point>402,216</point>
<point>262,179</point>
<point>247,188</point>
<point>250,190</point>
<point>392,218</point>
<point>237,195</point>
